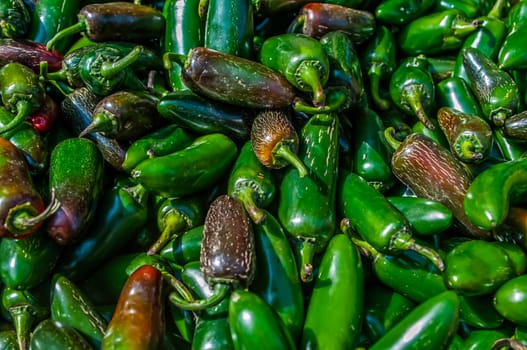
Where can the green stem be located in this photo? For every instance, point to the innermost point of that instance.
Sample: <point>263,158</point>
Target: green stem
<point>413,98</point>
<point>282,150</point>
<point>497,9</point>
<point>170,57</point>
<point>337,98</point>
<point>462,27</point>
<point>68,31</point>
<point>375,80</point>
<point>404,241</point>
<point>23,322</point>
<point>305,250</point>
<point>389,136</point>
<point>44,73</point>
<point>175,223</point>
<point>220,293</point>
<point>110,69</point>
<point>246,195</point>
<point>23,109</point>
<point>467,150</point>
<point>308,73</point>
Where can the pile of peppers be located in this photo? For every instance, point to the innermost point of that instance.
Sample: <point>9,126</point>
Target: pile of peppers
<point>259,174</point>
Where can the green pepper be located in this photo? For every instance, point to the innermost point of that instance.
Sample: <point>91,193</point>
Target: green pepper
<point>438,319</point>
<point>227,254</point>
<point>495,89</point>
<point>486,338</point>
<point>120,216</point>
<point>378,63</point>
<point>175,215</point>
<point>51,16</point>
<point>488,38</point>
<point>159,142</point>
<point>489,196</point>
<point>190,170</point>
<point>477,267</point>
<point>229,26</point>
<point>76,177</point>
<point>399,12</point>
<point>426,217</point>
<point>432,172</point>
<point>184,31</point>
<point>344,64</point>
<point>253,323</point>
<point>454,92</point>
<point>301,59</point>
<point>306,208</point>
<point>509,148</point>
<point>318,18</point>
<point>184,248</point>
<point>8,340</point>
<point>252,183</point>
<point>436,32</point>
<point>138,321</point>
<point>117,21</point>
<point>412,88</point>
<point>370,214</point>
<point>125,115</point>
<point>509,300</point>
<point>22,92</point>
<point>71,307</point>
<point>14,18</point>
<point>371,155</point>
<point>340,280</point>
<point>278,281</point>
<point>469,135</point>
<point>53,335</point>
<point>509,56</point>
<point>25,309</point>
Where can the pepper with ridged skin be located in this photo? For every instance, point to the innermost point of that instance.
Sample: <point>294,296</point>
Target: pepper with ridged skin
<point>227,253</point>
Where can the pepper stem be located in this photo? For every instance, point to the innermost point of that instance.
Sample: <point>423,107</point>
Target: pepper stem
<point>497,9</point>
<point>305,251</point>
<point>283,151</point>
<point>68,31</point>
<point>246,195</point>
<point>309,73</point>
<point>110,69</point>
<point>508,343</point>
<point>44,73</point>
<point>413,98</point>
<point>170,57</point>
<point>375,79</point>
<point>467,151</point>
<point>181,289</point>
<point>203,6</point>
<point>174,223</point>
<point>461,27</point>
<point>220,293</point>
<point>23,320</point>
<point>498,118</point>
<point>101,122</point>
<point>389,136</point>
<point>337,97</point>
<point>23,110</point>
<point>23,218</point>
<point>404,241</point>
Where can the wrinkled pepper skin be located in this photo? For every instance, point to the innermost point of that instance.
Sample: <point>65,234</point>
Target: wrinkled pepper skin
<point>490,195</point>
<point>76,177</point>
<point>439,316</point>
<point>138,322</point>
<point>340,279</point>
<point>253,323</point>
<point>189,170</point>
<point>307,208</point>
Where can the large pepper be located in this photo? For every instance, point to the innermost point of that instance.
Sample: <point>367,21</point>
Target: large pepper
<point>399,12</point>
<point>185,248</point>
<point>306,206</point>
<point>509,300</point>
<point>340,279</point>
<point>139,318</point>
<point>117,21</point>
<point>29,53</point>
<point>14,18</point>
<point>53,335</point>
<point>510,56</point>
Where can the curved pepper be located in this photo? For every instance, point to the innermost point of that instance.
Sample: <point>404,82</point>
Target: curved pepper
<point>510,298</point>
<point>185,248</point>
<point>510,57</point>
<point>29,53</point>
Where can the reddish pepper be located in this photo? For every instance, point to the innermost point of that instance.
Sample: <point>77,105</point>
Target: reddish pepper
<point>43,119</point>
<point>138,321</point>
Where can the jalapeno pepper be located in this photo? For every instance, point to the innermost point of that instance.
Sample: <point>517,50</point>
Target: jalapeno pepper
<point>117,21</point>
<point>22,92</point>
<point>495,89</point>
<point>399,12</point>
<point>307,209</point>
<point>138,321</point>
<point>509,57</point>
<point>490,195</point>
<point>509,300</point>
<point>185,248</point>
<point>15,19</point>
<point>28,53</point>
<point>50,334</point>
<point>435,33</point>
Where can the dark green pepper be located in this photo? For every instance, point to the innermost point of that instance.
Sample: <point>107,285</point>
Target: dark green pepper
<point>495,89</point>
<point>14,18</point>
<point>184,248</point>
<point>251,183</point>
<point>469,135</point>
<point>490,195</point>
<point>76,177</point>
<point>115,21</point>
<point>306,208</point>
<point>340,279</point>
<point>412,88</point>
<point>53,335</point>
<point>399,12</point>
<point>454,92</point>
<point>370,214</point>
<point>435,33</point>
<point>253,323</point>
<point>22,92</point>
<point>509,300</point>
<point>439,318</point>
<point>189,170</point>
<point>509,56</point>
<point>515,127</point>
